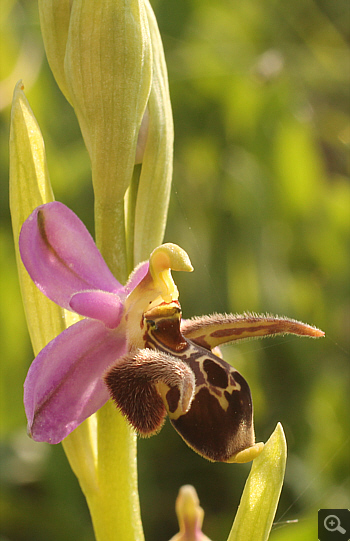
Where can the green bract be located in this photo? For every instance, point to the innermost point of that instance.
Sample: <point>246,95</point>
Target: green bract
<point>262,490</point>
<point>29,187</point>
<point>155,179</point>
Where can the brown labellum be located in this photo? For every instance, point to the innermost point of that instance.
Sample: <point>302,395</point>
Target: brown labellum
<point>219,423</point>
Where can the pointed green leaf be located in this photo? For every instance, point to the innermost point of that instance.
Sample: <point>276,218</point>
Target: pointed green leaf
<point>261,493</point>
<point>29,187</point>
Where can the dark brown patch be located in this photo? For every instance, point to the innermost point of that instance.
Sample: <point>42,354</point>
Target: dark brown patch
<point>232,381</point>
<point>173,397</point>
<point>270,329</point>
<point>167,331</point>
<point>216,374</point>
<point>196,369</point>
<point>216,391</point>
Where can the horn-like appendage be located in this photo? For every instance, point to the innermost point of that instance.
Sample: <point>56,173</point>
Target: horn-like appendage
<point>211,331</point>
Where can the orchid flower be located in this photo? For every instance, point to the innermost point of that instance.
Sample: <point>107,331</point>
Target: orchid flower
<point>133,346</point>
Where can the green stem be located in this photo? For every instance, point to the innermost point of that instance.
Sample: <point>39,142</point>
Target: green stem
<point>110,236</point>
<point>114,507</point>
<point>80,449</point>
<point>107,474</point>
<point>116,511</point>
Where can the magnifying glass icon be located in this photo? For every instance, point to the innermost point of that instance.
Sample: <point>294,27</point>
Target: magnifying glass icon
<point>332,524</point>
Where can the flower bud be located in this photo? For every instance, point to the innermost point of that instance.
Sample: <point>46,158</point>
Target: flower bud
<point>190,516</point>
<point>108,60</point>
<point>100,54</point>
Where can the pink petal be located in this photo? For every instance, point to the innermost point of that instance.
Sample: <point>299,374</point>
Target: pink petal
<point>64,384</point>
<point>61,256</point>
<point>101,305</point>
<point>136,276</point>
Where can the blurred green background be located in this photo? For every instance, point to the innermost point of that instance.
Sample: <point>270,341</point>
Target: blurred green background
<point>261,202</point>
